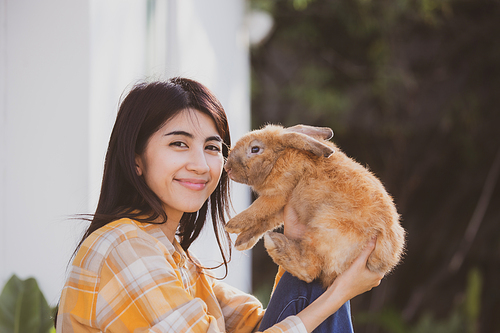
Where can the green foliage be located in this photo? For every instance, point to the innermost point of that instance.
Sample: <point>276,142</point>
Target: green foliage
<point>472,304</point>
<point>388,319</point>
<point>463,319</point>
<point>269,5</point>
<point>263,294</point>
<point>23,308</point>
<point>453,324</point>
<point>301,4</point>
<point>315,96</point>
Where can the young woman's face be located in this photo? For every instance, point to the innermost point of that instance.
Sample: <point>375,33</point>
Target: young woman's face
<point>182,162</point>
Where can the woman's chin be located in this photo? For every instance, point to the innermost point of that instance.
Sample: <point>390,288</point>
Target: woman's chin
<point>192,208</point>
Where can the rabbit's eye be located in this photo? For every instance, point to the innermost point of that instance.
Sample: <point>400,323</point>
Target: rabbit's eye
<point>255,149</point>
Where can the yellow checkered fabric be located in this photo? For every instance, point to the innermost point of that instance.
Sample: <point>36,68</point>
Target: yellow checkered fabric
<point>128,277</point>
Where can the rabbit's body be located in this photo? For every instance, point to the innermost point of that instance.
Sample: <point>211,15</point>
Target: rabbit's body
<point>340,202</point>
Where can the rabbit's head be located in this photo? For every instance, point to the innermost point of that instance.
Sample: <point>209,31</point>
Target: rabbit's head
<point>253,156</point>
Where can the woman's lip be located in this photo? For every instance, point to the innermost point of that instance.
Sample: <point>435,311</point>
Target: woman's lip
<point>193,184</point>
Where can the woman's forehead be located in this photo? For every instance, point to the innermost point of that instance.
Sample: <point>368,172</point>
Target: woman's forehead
<point>192,121</point>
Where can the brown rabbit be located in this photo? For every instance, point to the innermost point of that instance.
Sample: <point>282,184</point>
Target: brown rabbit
<point>341,203</point>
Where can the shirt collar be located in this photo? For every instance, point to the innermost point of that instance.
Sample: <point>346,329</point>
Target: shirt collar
<point>175,249</point>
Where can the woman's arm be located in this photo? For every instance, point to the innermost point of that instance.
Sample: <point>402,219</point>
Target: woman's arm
<point>354,281</point>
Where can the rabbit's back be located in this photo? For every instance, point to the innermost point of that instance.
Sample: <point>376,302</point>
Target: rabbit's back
<point>344,205</point>
<point>343,187</point>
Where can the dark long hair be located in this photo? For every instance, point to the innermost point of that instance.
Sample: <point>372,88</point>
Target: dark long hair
<point>124,194</point>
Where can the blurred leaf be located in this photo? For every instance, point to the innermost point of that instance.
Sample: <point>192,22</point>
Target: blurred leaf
<point>453,324</point>
<point>301,4</point>
<point>267,5</point>
<point>23,307</point>
<point>389,319</point>
<point>473,298</point>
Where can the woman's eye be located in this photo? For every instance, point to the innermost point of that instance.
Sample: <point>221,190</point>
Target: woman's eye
<point>214,148</point>
<point>178,144</point>
<point>255,149</point>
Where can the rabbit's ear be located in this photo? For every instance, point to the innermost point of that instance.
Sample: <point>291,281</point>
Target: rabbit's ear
<point>324,133</point>
<point>306,142</point>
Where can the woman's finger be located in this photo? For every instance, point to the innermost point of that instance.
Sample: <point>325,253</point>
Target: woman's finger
<point>367,250</point>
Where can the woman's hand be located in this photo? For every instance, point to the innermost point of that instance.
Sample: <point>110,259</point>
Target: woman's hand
<point>292,228</point>
<point>358,279</point>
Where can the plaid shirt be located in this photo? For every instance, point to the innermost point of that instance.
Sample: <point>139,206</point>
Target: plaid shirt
<point>128,277</point>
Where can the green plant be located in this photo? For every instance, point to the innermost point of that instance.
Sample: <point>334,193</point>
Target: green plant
<point>23,308</point>
<point>463,319</point>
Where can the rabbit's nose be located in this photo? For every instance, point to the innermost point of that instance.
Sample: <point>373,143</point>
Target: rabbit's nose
<point>229,173</point>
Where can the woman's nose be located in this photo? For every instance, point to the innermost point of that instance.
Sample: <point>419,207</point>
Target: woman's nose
<point>198,162</point>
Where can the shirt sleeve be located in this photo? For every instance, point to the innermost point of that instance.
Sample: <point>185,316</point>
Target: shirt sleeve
<point>141,288</point>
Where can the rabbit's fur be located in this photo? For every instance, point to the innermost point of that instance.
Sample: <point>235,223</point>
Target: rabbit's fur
<point>341,203</point>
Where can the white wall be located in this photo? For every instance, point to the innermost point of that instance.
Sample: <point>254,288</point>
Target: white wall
<point>63,67</point>
<point>44,158</point>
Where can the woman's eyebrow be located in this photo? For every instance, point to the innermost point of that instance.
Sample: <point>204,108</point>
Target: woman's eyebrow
<point>189,135</point>
<point>214,138</point>
<point>183,133</point>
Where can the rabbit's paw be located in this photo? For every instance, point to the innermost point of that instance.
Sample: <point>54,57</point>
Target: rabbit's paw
<point>286,254</point>
<point>246,240</point>
<point>275,242</point>
<point>236,225</point>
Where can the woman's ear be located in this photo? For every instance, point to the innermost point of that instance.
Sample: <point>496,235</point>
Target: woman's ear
<point>138,165</point>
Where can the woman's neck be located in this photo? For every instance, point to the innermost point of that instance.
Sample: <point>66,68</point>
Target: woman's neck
<point>170,227</point>
<point>169,230</point>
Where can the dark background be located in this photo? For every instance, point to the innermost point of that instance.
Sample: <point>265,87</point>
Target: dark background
<point>412,91</point>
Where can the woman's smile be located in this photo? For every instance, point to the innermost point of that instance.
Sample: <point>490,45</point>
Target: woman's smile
<point>192,184</point>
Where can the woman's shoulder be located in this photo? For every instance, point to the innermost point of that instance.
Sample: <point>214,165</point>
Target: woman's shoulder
<point>101,242</point>
<point>116,231</point>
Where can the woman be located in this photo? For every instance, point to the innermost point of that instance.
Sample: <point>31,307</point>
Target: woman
<point>132,270</point>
